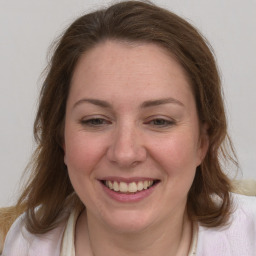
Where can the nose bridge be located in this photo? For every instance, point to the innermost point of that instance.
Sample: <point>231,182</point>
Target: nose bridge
<point>126,148</point>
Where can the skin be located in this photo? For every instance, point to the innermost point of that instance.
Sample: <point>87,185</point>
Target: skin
<point>133,135</point>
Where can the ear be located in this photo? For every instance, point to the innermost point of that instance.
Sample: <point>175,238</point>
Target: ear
<point>203,143</point>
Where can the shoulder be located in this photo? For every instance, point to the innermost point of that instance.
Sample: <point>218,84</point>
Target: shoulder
<point>20,242</point>
<point>244,204</point>
<point>237,238</point>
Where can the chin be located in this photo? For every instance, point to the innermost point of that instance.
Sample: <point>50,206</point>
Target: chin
<point>129,221</point>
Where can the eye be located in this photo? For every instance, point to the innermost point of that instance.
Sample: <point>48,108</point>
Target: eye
<point>160,122</point>
<point>95,122</point>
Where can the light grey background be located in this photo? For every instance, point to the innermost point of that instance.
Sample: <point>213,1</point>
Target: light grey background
<point>28,27</point>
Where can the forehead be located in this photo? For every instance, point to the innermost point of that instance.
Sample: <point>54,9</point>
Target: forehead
<point>124,68</point>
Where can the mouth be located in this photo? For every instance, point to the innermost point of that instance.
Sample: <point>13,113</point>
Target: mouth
<point>129,187</point>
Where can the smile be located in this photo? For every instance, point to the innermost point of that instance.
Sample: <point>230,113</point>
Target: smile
<point>132,187</point>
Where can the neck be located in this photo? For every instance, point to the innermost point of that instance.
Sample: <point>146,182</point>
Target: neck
<point>172,238</point>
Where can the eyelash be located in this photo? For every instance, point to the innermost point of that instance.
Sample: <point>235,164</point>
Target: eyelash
<point>95,122</point>
<point>161,122</point>
<point>100,122</point>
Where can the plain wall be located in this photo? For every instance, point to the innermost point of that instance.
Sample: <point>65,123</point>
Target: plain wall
<point>28,27</point>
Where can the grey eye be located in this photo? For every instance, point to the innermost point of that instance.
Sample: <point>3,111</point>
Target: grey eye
<point>95,122</point>
<point>161,122</point>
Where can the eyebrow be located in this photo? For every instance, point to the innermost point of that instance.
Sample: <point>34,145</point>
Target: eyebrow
<point>145,104</point>
<point>152,103</point>
<point>100,103</point>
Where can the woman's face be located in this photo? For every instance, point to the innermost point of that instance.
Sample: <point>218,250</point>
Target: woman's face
<point>131,125</point>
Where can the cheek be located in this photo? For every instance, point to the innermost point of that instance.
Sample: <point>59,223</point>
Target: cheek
<point>82,152</point>
<point>177,153</point>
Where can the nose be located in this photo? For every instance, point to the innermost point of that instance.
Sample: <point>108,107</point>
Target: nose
<point>126,148</point>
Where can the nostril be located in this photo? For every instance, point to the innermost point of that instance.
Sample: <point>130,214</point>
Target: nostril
<point>135,163</point>
<point>126,150</point>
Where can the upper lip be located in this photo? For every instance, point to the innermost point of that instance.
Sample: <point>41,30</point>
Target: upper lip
<point>127,180</point>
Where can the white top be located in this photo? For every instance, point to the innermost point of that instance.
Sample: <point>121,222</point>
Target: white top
<point>237,239</point>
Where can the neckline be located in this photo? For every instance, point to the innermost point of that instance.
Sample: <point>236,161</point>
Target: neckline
<point>68,240</point>
<point>193,245</point>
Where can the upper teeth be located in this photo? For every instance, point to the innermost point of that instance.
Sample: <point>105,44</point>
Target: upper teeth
<point>128,187</point>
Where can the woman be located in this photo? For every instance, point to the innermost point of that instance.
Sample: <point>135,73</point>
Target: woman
<point>131,132</point>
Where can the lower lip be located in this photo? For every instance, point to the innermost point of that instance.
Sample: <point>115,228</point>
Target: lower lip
<point>125,197</point>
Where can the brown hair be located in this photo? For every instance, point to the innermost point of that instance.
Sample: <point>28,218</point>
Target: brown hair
<point>49,191</point>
